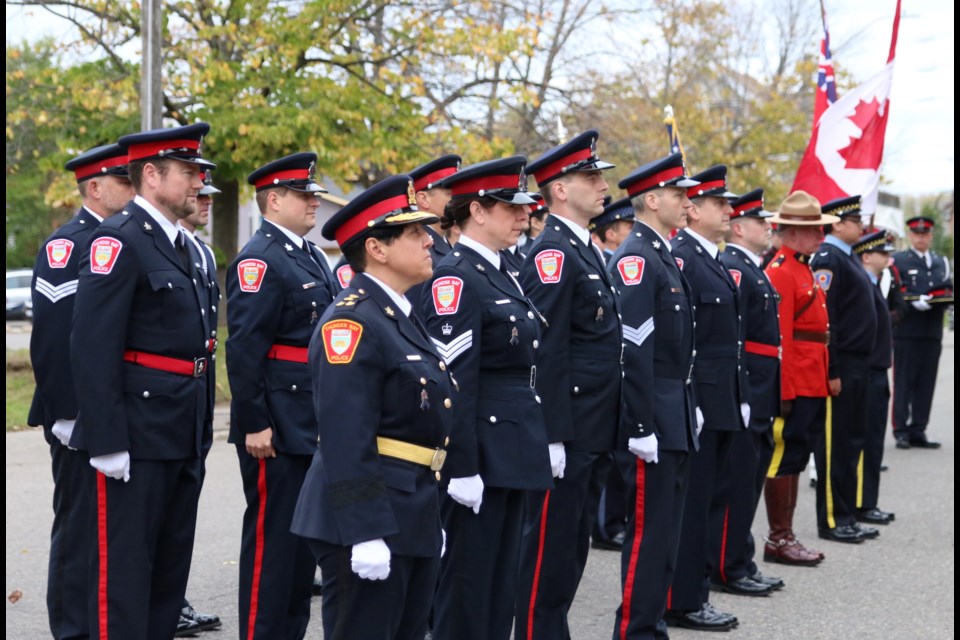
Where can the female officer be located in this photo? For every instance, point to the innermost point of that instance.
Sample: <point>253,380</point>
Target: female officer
<point>383,399</point>
<point>488,333</point>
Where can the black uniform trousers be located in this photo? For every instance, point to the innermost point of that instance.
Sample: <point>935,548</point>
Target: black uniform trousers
<point>731,546</point>
<point>656,493</point>
<point>276,566</point>
<point>915,364</point>
<point>557,525</point>
<point>844,438</point>
<point>691,586</point>
<point>612,514</point>
<point>358,609</point>
<point>878,410</point>
<point>69,567</point>
<point>464,569</point>
<point>142,533</point>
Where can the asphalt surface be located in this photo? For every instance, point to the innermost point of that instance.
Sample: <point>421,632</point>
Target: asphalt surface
<point>899,586</point>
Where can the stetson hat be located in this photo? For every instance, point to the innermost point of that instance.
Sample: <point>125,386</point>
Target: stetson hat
<point>801,209</point>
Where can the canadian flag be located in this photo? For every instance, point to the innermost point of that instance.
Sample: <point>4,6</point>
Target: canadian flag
<point>845,151</point>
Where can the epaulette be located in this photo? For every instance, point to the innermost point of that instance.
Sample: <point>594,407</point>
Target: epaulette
<point>778,261</point>
<point>802,258</point>
<point>351,298</point>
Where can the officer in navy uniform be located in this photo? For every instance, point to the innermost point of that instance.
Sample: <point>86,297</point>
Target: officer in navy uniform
<point>874,251</point>
<point>277,288</point>
<point>739,490</point>
<point>489,334</point>
<point>579,376</point>
<point>917,339</point>
<point>720,379</point>
<point>140,352</point>
<point>609,229</point>
<point>369,506</point>
<point>658,426</point>
<point>853,335</point>
<point>101,175</point>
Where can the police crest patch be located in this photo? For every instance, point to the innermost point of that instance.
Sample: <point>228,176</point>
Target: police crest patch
<point>340,340</point>
<point>250,274</point>
<point>549,265</point>
<point>58,252</point>
<point>736,275</point>
<point>823,277</point>
<point>344,275</point>
<point>446,295</point>
<point>631,270</point>
<point>103,255</point>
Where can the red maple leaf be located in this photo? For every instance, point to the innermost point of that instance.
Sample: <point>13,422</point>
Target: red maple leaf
<point>866,151</point>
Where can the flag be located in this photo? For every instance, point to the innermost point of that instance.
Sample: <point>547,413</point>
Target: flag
<point>846,148</point>
<point>826,87</point>
<point>673,134</point>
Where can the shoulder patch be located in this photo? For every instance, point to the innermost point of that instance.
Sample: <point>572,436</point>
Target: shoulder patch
<point>58,252</point>
<point>736,275</point>
<point>103,255</point>
<point>824,277</point>
<point>250,273</point>
<point>631,270</point>
<point>340,340</point>
<point>549,265</point>
<point>679,263</point>
<point>344,275</point>
<point>446,295</point>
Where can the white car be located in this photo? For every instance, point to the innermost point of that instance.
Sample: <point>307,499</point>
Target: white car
<point>19,303</point>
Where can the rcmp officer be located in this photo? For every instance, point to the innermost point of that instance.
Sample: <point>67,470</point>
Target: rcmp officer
<point>369,505</point>
<point>719,378</point>
<point>578,378</point>
<point>658,424</point>
<point>917,339</point>
<point>739,489</point>
<point>277,288</point>
<point>853,334</point>
<point>142,388</point>
<point>104,186</point>
<point>874,252</point>
<point>489,333</point>
<point>798,430</point>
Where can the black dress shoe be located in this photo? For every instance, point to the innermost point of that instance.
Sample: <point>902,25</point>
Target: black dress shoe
<point>775,584</point>
<point>845,533</point>
<point>922,443</point>
<point>613,544</point>
<point>902,442</point>
<point>186,628</point>
<point>874,516</point>
<point>866,532</point>
<point>317,587</point>
<point>706,619</point>
<point>742,587</point>
<point>204,621</point>
<point>884,467</point>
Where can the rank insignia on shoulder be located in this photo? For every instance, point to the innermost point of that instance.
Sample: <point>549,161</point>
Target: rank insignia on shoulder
<point>655,243</point>
<point>389,311</point>
<point>447,328</point>
<point>480,268</point>
<point>250,274</point>
<point>147,226</point>
<point>288,246</point>
<point>340,340</point>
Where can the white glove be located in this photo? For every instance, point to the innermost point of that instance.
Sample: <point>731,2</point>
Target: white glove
<point>558,458</point>
<point>63,429</point>
<point>443,545</point>
<point>467,491</point>
<point>371,559</point>
<point>923,304</point>
<point>699,421</point>
<point>644,448</point>
<point>113,465</point>
<point>745,414</point>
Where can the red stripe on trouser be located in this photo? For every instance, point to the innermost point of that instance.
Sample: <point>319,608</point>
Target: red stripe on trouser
<point>102,552</point>
<point>258,555</point>
<point>638,511</point>
<point>723,544</point>
<point>536,570</point>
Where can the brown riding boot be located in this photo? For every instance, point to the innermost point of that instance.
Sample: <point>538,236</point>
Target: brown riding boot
<point>794,491</point>
<point>781,545</point>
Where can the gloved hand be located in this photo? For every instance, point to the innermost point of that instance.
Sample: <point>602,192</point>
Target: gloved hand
<point>558,458</point>
<point>644,448</point>
<point>923,304</point>
<point>467,491</point>
<point>371,559</point>
<point>113,465</point>
<point>63,429</point>
<point>699,421</point>
<point>443,545</point>
<point>745,414</point>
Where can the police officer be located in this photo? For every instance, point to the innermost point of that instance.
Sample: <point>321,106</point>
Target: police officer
<point>609,229</point>
<point>874,251</point>
<point>658,424</point>
<point>578,379</point>
<point>853,334</point>
<point>718,377</point>
<point>739,489</point>
<point>369,505</point>
<point>277,288</point>
<point>140,351</point>
<point>104,186</point>
<point>917,339</point>
<point>489,333</point>
<point>799,427</point>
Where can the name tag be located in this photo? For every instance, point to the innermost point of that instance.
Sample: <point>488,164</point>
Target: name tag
<point>913,272</point>
<point>309,285</point>
<point>414,358</point>
<point>593,276</point>
<point>501,302</point>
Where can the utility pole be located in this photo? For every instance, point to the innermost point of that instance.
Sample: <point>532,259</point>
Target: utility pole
<point>151,86</point>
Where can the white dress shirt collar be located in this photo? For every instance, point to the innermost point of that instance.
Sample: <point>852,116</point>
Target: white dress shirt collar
<point>399,300</point>
<point>711,248</point>
<point>490,256</point>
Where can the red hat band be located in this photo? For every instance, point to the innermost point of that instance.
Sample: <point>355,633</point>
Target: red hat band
<point>743,209</point>
<point>363,219</point>
<point>486,183</point>
<point>699,190</point>
<point>99,167</point>
<point>426,181</point>
<point>654,181</point>
<point>274,179</point>
<point>155,149</point>
<point>555,168</point>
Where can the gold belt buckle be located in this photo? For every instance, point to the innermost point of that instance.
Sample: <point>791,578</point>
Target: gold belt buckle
<point>439,457</point>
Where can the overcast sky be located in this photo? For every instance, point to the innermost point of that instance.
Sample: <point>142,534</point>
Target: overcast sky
<point>918,155</point>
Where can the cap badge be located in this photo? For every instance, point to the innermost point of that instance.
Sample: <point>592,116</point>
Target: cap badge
<point>411,194</point>
<point>312,171</point>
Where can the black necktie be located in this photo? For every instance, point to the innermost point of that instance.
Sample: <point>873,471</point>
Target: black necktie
<point>181,246</point>
<point>506,274</point>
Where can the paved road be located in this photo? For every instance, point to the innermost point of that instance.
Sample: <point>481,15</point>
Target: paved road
<point>900,586</point>
<point>18,334</point>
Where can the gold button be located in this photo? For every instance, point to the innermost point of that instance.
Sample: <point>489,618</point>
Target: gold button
<point>437,476</point>
<point>443,367</point>
<point>446,441</point>
<point>423,381</point>
<point>447,403</point>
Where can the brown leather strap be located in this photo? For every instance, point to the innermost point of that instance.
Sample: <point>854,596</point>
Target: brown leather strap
<point>820,337</point>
